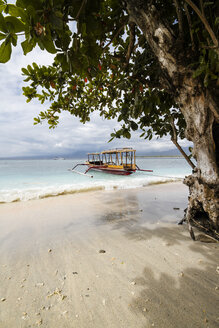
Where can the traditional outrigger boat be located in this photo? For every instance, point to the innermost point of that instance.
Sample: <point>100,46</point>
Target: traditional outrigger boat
<point>115,161</point>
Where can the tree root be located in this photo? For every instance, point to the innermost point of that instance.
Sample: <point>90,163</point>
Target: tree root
<point>202,211</point>
<point>202,225</point>
<point>209,231</point>
<point>181,221</point>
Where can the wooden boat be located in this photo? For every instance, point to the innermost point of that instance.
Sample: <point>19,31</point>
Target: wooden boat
<point>120,161</point>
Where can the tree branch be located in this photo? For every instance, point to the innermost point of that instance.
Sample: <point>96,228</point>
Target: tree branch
<point>205,22</point>
<point>147,83</point>
<point>174,140</point>
<point>79,12</point>
<point>179,16</point>
<point>190,26</point>
<point>202,7</point>
<point>115,35</point>
<point>131,41</point>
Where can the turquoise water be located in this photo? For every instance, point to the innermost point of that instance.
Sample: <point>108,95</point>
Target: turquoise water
<point>31,179</point>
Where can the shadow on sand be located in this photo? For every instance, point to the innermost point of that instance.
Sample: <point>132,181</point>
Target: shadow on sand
<point>190,300</point>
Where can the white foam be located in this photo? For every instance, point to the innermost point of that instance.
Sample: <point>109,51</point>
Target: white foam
<point>25,194</point>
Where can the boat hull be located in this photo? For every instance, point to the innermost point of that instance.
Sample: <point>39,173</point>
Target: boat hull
<point>110,170</point>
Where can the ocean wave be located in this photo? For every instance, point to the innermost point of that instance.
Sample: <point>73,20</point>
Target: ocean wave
<point>16,195</point>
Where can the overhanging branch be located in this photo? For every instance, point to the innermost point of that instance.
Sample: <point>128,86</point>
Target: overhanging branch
<point>115,35</point>
<point>131,42</point>
<point>205,22</point>
<point>202,7</point>
<point>79,12</point>
<point>190,25</point>
<point>147,83</point>
<point>179,16</point>
<point>174,140</point>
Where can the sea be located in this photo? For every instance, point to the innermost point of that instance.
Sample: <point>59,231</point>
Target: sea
<point>23,180</point>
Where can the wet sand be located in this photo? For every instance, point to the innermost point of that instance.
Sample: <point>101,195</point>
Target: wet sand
<point>106,259</point>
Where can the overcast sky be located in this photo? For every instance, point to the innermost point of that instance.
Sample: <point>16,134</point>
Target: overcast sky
<point>19,137</point>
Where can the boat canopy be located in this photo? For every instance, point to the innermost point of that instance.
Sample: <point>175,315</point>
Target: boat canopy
<point>123,158</point>
<point>95,158</point>
<point>94,153</point>
<point>118,150</point>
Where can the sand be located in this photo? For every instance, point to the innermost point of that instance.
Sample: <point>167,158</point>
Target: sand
<point>106,259</point>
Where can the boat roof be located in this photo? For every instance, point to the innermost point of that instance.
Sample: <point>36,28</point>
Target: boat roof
<point>113,151</point>
<point>94,153</point>
<point>118,150</point>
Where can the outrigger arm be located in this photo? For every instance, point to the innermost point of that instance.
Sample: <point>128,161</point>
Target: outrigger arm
<point>138,169</point>
<point>89,168</point>
<point>87,175</point>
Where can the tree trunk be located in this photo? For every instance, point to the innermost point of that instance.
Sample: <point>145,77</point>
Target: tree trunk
<point>203,205</point>
<point>197,106</point>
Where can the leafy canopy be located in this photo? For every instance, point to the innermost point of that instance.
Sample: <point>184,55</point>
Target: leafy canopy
<point>103,62</point>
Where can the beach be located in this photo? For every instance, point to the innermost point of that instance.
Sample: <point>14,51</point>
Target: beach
<point>109,258</point>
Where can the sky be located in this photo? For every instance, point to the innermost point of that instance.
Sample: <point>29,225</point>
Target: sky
<point>20,138</point>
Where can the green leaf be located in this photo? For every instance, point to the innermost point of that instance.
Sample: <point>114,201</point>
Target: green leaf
<point>27,79</point>
<point>35,66</point>
<point>126,134</point>
<point>5,52</point>
<point>29,69</point>
<point>25,3</point>
<point>49,45</point>
<point>134,126</point>
<point>83,29</point>
<point>14,24</point>
<point>2,36</point>
<point>199,71</point>
<point>65,41</point>
<point>2,6</point>
<point>213,76</point>
<point>208,3</point>
<point>20,3</point>
<point>25,71</point>
<point>3,26</point>
<point>14,39</point>
<point>27,46</point>
<point>31,11</point>
<point>17,11</point>
<point>57,20</point>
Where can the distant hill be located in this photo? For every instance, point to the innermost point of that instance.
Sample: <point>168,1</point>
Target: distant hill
<point>83,154</point>
<point>172,152</point>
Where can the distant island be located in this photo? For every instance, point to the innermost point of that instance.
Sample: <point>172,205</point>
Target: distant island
<point>82,154</point>
<point>152,156</point>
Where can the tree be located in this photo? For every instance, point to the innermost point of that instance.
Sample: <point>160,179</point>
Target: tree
<point>151,64</point>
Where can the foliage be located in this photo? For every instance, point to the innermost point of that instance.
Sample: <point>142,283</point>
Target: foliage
<point>103,62</point>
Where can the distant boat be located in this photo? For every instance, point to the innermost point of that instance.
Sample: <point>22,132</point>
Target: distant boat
<point>119,161</point>
<point>58,158</point>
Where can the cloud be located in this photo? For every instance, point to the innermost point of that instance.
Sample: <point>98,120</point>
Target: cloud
<point>19,137</point>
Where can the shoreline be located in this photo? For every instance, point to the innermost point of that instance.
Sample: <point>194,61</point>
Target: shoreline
<point>105,259</point>
<point>70,191</point>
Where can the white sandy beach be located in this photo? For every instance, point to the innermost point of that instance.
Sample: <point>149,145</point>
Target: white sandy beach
<point>106,259</point>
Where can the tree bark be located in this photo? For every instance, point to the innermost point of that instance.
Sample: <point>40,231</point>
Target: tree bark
<point>203,184</point>
<point>197,106</point>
